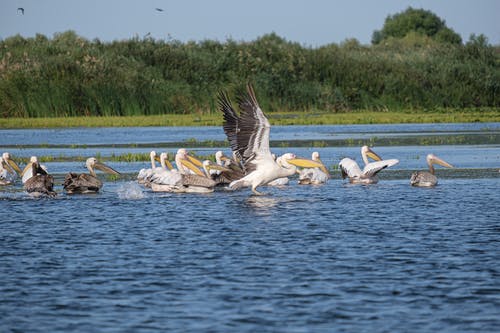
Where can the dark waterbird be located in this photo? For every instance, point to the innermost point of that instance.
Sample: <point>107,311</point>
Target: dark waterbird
<point>87,183</point>
<point>427,178</point>
<point>41,183</point>
<point>21,9</point>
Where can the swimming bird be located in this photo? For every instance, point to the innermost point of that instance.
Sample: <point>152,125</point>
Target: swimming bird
<point>159,9</point>
<point>145,173</point>
<point>282,161</point>
<point>187,164</point>
<point>231,171</point>
<point>40,182</point>
<point>427,178</point>
<point>28,169</point>
<point>21,9</point>
<point>351,169</point>
<point>188,178</point>
<point>248,135</point>
<point>9,170</point>
<point>314,175</point>
<point>87,183</point>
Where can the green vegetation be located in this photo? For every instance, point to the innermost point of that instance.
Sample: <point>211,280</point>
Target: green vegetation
<point>276,118</point>
<point>420,65</point>
<point>416,21</point>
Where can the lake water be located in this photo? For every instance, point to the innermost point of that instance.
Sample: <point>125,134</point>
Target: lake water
<point>330,258</point>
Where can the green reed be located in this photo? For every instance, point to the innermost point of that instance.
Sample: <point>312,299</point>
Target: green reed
<point>70,76</point>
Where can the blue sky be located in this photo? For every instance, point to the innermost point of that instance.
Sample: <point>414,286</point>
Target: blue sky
<point>309,22</point>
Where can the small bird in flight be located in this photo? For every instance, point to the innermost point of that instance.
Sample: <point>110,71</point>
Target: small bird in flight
<point>21,9</point>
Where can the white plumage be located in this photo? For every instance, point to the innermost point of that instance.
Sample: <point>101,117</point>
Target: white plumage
<point>368,175</point>
<point>248,135</point>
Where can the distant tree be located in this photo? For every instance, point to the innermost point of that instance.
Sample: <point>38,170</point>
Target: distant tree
<point>416,20</point>
<point>478,47</point>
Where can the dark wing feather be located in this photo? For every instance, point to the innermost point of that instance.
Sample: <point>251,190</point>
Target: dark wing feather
<point>253,136</point>
<point>196,180</point>
<point>226,177</point>
<point>41,184</point>
<point>230,124</point>
<point>74,182</point>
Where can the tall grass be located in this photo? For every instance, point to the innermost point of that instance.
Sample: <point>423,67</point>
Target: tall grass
<point>69,76</point>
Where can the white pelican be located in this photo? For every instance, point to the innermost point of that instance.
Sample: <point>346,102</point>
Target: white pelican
<point>282,162</point>
<point>87,183</point>
<point>40,182</point>
<point>222,159</point>
<point>427,178</point>
<point>187,164</point>
<point>146,173</point>
<point>314,175</point>
<point>187,179</point>
<point>8,170</point>
<point>351,169</point>
<point>248,135</point>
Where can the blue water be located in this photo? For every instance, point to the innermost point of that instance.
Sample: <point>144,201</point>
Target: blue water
<point>142,135</point>
<point>331,258</point>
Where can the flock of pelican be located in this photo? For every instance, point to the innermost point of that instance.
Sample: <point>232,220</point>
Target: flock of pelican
<point>251,165</point>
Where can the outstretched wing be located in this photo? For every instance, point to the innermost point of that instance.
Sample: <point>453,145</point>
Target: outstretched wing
<point>230,124</point>
<point>349,168</point>
<point>254,130</point>
<point>371,169</point>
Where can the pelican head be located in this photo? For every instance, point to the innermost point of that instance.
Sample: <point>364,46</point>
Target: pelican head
<point>288,160</point>
<point>10,163</point>
<point>368,152</point>
<point>186,163</point>
<point>433,159</point>
<point>165,163</point>
<point>220,158</point>
<point>315,156</point>
<point>283,160</point>
<point>93,164</point>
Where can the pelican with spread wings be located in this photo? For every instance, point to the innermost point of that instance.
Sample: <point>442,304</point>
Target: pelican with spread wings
<point>248,135</point>
<point>369,173</point>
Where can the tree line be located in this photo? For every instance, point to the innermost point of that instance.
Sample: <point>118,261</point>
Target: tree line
<point>68,75</point>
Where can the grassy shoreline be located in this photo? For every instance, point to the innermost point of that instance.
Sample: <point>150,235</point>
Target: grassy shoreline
<point>276,118</point>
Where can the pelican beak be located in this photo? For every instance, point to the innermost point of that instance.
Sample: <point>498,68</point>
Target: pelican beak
<point>157,158</point>
<point>26,168</point>
<point>441,162</point>
<point>195,161</point>
<point>371,154</point>
<point>304,163</point>
<point>225,158</point>
<point>104,168</point>
<point>14,166</point>
<point>169,165</point>
<point>323,167</point>
<point>217,167</point>
<point>192,167</point>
